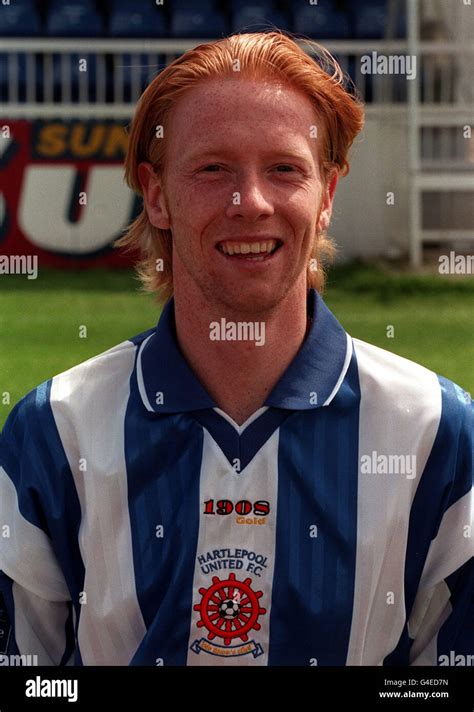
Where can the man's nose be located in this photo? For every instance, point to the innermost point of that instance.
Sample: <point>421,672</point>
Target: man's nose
<point>250,198</point>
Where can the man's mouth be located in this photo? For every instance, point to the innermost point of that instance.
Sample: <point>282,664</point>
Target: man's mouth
<point>254,251</point>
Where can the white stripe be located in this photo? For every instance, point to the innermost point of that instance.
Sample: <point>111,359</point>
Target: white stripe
<point>400,409</point>
<point>454,543</point>
<point>218,480</point>
<point>27,556</point>
<point>89,404</point>
<point>141,383</point>
<point>429,613</point>
<point>40,626</point>
<point>342,375</point>
<point>240,428</point>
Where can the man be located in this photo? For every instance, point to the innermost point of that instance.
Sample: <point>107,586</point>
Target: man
<point>244,484</point>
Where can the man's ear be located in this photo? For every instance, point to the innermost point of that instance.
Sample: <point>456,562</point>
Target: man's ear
<point>153,195</point>
<point>327,201</point>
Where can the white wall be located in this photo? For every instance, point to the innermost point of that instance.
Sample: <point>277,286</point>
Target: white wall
<point>362,223</point>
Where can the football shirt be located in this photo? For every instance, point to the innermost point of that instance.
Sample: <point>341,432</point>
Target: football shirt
<point>142,526</point>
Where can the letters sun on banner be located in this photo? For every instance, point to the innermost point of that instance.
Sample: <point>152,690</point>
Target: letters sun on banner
<point>62,194</point>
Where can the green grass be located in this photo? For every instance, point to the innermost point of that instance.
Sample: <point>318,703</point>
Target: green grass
<point>432,318</point>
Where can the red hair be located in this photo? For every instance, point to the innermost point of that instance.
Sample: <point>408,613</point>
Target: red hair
<point>259,55</point>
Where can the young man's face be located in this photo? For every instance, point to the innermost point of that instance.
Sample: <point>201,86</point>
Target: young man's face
<point>241,170</point>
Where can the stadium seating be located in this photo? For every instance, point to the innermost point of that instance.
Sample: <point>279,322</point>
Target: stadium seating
<point>257,6</point>
<point>205,23</point>
<point>74,19</point>
<point>193,5</point>
<point>258,18</point>
<point>137,22</point>
<point>329,19</point>
<point>19,19</point>
<point>321,22</point>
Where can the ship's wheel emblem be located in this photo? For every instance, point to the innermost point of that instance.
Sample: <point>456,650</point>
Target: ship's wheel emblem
<point>229,609</point>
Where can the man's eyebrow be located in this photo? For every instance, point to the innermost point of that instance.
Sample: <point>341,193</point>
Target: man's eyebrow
<point>229,153</point>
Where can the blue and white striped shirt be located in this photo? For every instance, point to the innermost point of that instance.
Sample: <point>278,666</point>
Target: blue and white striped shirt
<point>140,525</point>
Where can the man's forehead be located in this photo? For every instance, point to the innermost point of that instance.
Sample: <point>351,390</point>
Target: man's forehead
<point>232,99</point>
<point>218,120</point>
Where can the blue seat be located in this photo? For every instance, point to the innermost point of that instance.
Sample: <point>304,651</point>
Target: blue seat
<point>137,23</point>
<point>371,22</point>
<point>191,5</point>
<point>87,5</point>
<point>129,5</point>
<point>191,23</point>
<point>74,20</point>
<point>19,20</point>
<point>31,4</point>
<point>257,6</point>
<point>258,21</point>
<point>371,19</point>
<point>320,22</point>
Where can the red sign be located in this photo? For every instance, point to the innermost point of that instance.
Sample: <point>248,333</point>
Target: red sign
<point>62,193</point>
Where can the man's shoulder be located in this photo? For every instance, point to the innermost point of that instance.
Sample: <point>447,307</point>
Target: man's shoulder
<point>385,365</point>
<point>405,383</point>
<point>102,367</point>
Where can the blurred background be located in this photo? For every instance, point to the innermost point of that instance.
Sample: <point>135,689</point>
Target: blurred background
<point>70,75</point>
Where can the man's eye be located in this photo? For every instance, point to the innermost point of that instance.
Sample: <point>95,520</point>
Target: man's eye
<point>211,168</point>
<point>286,168</point>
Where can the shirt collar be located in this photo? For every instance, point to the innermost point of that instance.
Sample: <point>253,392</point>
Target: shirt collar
<point>167,384</point>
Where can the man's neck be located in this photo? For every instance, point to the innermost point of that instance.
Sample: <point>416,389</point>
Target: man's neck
<point>239,374</point>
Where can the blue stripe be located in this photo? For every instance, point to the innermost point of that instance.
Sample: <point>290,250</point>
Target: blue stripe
<point>318,364</point>
<point>8,644</point>
<point>244,447</point>
<point>313,587</point>
<point>33,456</point>
<point>69,637</point>
<point>163,457</point>
<point>457,633</point>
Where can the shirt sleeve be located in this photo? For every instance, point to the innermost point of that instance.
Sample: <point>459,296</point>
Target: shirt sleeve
<point>33,630</point>
<point>36,612</point>
<point>441,624</point>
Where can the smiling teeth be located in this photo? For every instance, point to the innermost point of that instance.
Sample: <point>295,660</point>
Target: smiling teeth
<point>244,248</point>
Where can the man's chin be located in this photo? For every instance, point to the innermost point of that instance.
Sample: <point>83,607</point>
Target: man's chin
<point>247,300</point>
